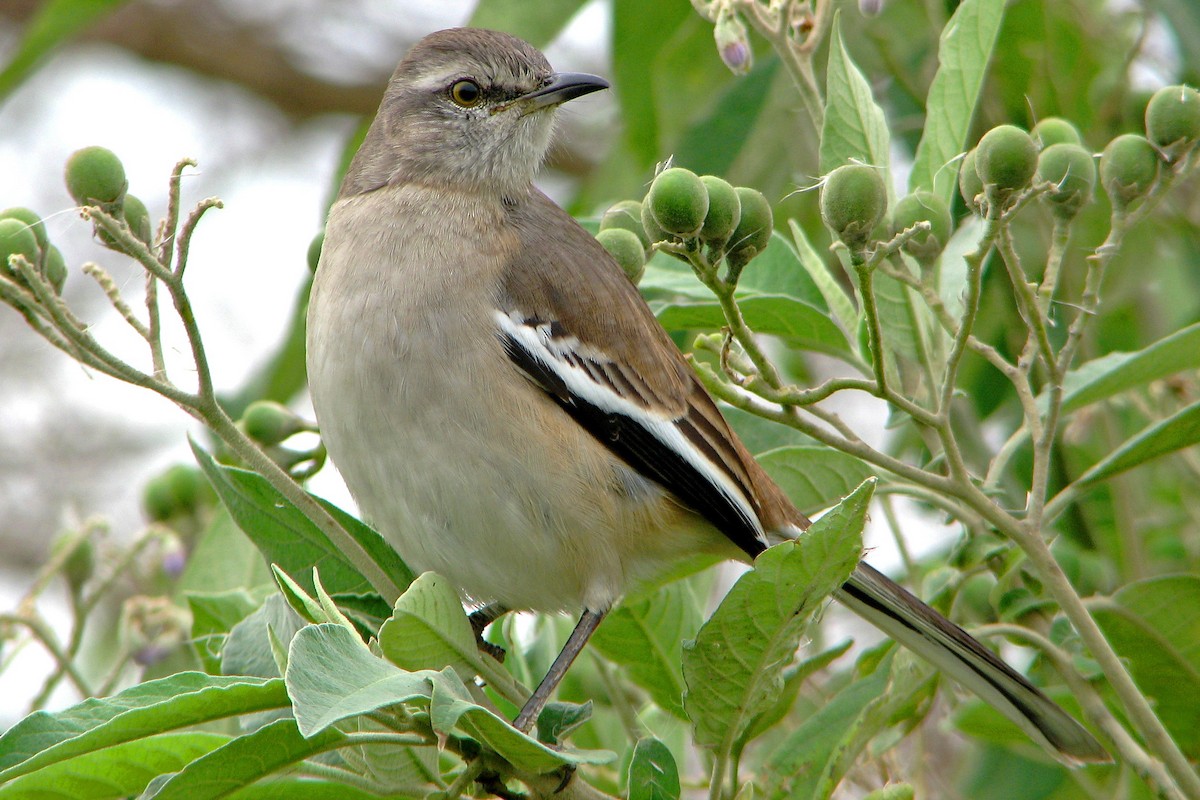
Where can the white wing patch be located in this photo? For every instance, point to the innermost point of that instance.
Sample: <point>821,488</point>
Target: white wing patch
<point>591,378</point>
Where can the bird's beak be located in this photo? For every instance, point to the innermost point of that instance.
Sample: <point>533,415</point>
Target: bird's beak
<point>563,86</point>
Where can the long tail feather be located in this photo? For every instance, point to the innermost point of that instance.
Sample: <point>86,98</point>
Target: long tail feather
<point>888,606</point>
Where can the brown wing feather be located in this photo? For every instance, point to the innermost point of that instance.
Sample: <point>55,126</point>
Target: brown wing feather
<point>597,305</point>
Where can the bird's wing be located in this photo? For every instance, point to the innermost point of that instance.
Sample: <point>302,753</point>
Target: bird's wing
<point>574,324</point>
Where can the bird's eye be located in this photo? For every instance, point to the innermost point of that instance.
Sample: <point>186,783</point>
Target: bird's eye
<point>466,93</point>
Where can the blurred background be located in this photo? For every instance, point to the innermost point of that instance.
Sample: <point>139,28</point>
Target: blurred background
<point>266,96</point>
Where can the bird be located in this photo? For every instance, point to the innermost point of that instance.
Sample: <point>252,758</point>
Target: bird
<point>504,407</point>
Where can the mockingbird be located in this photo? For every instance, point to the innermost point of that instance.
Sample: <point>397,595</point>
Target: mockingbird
<point>505,408</point>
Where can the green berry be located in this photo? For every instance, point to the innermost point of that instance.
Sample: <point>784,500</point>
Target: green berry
<point>175,492</point>
<point>626,214</point>
<point>137,217</point>
<point>31,219</point>
<point>678,201</point>
<point>1072,171</point>
<point>80,563</point>
<point>95,176</point>
<point>853,201</point>
<point>969,184</point>
<point>16,237</point>
<point>55,267</point>
<point>1006,159</point>
<point>753,231</point>
<point>923,206</point>
<point>654,231</point>
<point>1055,130</point>
<point>626,249</point>
<point>269,423</point>
<point>314,250</point>
<point>1173,119</point>
<point>1128,168</point>
<point>724,210</point>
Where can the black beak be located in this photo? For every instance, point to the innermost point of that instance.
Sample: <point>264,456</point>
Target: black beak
<point>563,86</point>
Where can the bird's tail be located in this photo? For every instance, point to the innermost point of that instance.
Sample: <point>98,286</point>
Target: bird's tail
<point>887,605</point>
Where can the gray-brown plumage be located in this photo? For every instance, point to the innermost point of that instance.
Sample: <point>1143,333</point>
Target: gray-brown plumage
<point>503,405</point>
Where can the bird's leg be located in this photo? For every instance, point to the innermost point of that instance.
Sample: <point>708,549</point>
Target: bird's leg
<point>480,619</point>
<point>537,701</point>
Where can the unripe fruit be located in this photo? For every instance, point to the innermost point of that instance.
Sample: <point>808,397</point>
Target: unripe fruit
<point>269,423</point>
<point>853,200</point>
<point>314,250</point>
<point>923,206</point>
<point>678,201</point>
<point>1173,119</point>
<point>55,267</point>
<point>17,238</point>
<point>1072,171</point>
<point>626,214</point>
<point>137,217</point>
<point>753,232</point>
<point>654,231</point>
<point>1128,168</point>
<point>31,219</point>
<point>95,176</point>
<point>80,564</point>
<point>1006,159</point>
<point>724,210</point>
<point>969,184</point>
<point>1055,130</point>
<point>177,491</point>
<point>626,249</point>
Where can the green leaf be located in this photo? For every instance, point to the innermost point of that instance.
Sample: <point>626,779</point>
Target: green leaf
<point>247,650</point>
<point>793,679</point>
<point>120,771</point>
<point>1154,625</point>
<point>640,31</point>
<point>734,668</point>
<point>391,768</point>
<point>760,435</point>
<point>855,127</point>
<point>558,720</point>
<point>223,559</point>
<point>802,766</point>
<point>779,270</point>
<point>452,708</point>
<point>965,48</point>
<point>288,538</point>
<point>836,299</point>
<point>305,788</point>
<point>645,639</point>
<point>1118,372</point>
<point>814,476</point>
<point>712,142</point>
<point>428,629</point>
<point>652,772</point>
<point>213,616</point>
<point>99,723</point>
<point>895,791</point>
<point>898,321</point>
<point>796,322</point>
<point>245,760</point>
<point>297,599</point>
<point>332,676</point>
<point>1180,430</point>
<point>56,22</point>
<point>537,23</point>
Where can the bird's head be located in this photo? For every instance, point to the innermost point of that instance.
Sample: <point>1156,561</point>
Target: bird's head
<point>466,108</point>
